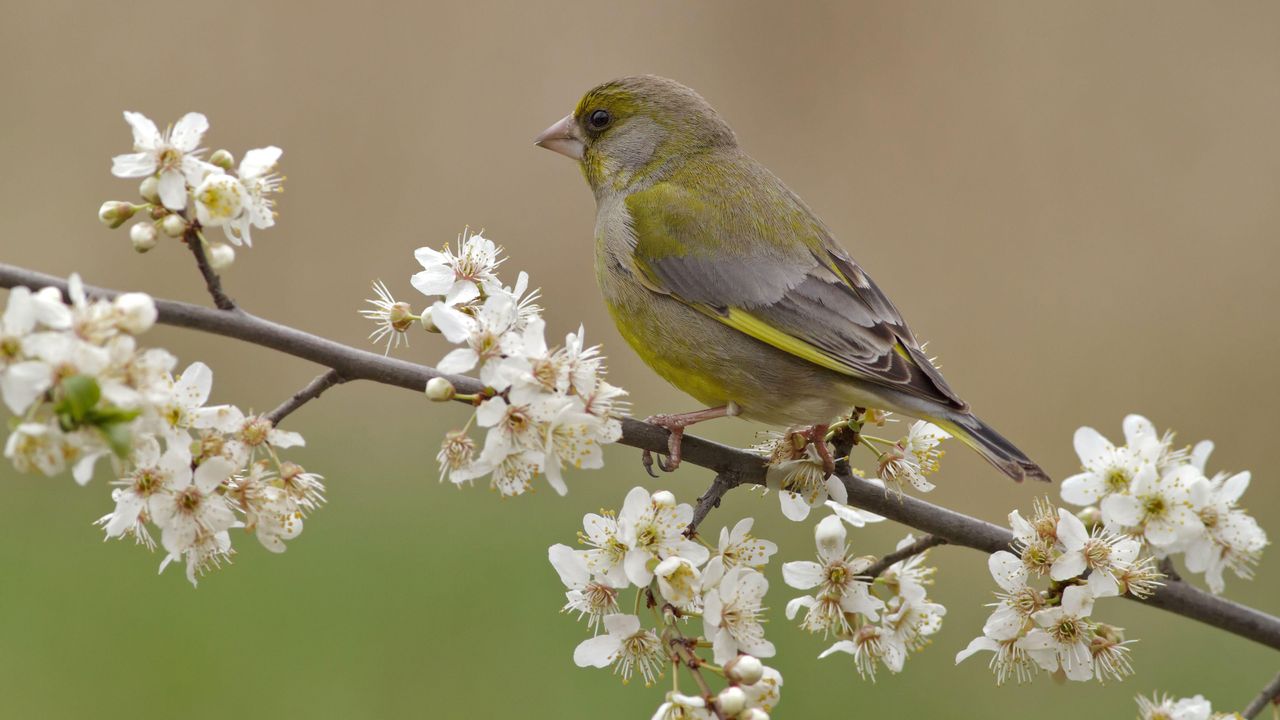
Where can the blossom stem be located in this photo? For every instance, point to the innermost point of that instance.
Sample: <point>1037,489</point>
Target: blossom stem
<point>212,280</point>
<point>682,648</point>
<point>733,466</point>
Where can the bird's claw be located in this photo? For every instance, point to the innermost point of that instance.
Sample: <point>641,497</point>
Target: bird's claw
<point>817,436</point>
<point>671,460</point>
<point>646,459</point>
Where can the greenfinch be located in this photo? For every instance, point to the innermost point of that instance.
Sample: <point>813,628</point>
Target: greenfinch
<point>730,288</point>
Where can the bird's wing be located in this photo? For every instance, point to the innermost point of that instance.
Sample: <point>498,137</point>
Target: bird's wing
<point>768,268</point>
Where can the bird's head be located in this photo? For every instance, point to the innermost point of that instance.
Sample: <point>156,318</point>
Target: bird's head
<point>635,129</point>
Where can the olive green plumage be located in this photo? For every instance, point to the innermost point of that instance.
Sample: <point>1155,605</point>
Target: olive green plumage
<point>728,285</point>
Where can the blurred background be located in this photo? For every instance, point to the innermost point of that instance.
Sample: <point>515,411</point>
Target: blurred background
<point>1075,203</point>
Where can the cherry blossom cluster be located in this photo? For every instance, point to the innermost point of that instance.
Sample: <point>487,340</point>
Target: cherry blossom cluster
<point>82,391</point>
<point>879,621</point>
<point>183,193</point>
<point>799,473</point>
<point>1163,496</point>
<point>544,408</point>
<point>1163,707</point>
<point>1053,628</point>
<point>671,578</point>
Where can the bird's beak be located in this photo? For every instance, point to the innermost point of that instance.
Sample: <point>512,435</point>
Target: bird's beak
<point>563,137</point>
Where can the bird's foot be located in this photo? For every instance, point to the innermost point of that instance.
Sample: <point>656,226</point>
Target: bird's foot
<point>675,424</point>
<point>817,436</point>
<point>675,443</point>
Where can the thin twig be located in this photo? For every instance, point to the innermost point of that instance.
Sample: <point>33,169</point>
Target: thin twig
<point>915,548</point>
<point>724,482</point>
<point>1270,694</point>
<point>211,279</point>
<point>322,382</point>
<point>1168,570</point>
<point>690,660</point>
<point>957,529</point>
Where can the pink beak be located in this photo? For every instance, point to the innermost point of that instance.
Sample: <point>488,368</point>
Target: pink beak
<point>563,137</point>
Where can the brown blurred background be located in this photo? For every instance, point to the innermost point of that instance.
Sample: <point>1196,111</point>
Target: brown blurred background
<point>1075,203</point>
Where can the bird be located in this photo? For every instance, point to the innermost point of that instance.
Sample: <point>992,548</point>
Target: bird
<point>729,287</point>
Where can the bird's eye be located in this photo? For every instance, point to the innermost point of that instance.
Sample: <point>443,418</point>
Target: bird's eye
<point>599,119</point>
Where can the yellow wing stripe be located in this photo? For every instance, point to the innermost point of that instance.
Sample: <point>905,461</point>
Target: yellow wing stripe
<point>755,327</point>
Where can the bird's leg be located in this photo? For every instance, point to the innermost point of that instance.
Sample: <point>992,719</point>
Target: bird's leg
<point>817,435</point>
<point>675,424</point>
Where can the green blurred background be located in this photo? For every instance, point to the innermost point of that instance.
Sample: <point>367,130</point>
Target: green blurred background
<point>1076,203</point>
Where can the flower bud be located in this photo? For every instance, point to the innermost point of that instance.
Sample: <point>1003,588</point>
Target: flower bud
<point>221,256</point>
<point>664,499</point>
<point>143,236</point>
<point>114,213</point>
<point>135,312</point>
<point>1090,516</point>
<point>829,534</point>
<point>440,390</point>
<point>744,669</point>
<point>400,317</point>
<point>753,714</point>
<point>149,189</point>
<point>223,159</point>
<point>731,701</point>
<point>173,225</point>
<point>427,323</point>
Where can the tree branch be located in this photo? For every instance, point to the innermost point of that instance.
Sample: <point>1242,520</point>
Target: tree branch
<point>733,466</point>
<point>322,382</point>
<point>915,548</point>
<point>1269,694</point>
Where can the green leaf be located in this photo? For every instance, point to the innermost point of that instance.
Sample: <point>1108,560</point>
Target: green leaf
<point>80,393</point>
<point>119,438</point>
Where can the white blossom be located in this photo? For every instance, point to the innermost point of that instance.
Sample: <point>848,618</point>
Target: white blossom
<point>625,645</point>
<point>797,472</point>
<point>680,582</point>
<point>588,597</point>
<point>738,547</point>
<point>913,457</point>
<point>653,532</point>
<point>683,707</point>
<point>487,337</point>
<point>1063,634</point>
<point>731,615</point>
<point>1166,708</point>
<point>174,155</point>
<point>1102,554</point>
<point>222,201</point>
<point>1158,507</point>
<point>1231,538</point>
<point>459,274</point>
<point>837,575</point>
<point>260,182</point>
<point>872,645</point>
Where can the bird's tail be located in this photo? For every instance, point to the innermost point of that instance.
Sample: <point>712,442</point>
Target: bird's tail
<point>992,446</point>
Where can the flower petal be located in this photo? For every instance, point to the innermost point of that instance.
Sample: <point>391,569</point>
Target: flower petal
<point>976,645</point>
<point>803,574</point>
<point>133,165</point>
<point>1091,446</point>
<point>188,131</point>
<point>598,651</point>
<point>173,190</point>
